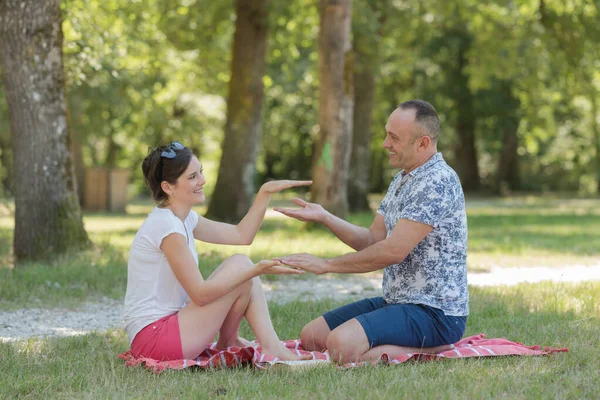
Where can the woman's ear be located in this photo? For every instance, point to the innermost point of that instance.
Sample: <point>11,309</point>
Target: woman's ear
<point>166,187</point>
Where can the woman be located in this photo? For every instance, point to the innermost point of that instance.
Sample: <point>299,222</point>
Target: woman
<point>171,311</point>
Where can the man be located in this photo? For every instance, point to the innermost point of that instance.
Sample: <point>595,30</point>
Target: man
<point>419,239</point>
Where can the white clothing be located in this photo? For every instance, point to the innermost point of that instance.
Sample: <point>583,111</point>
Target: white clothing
<point>153,291</point>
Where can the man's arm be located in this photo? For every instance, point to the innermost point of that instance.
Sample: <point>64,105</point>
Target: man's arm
<point>393,250</point>
<point>354,236</point>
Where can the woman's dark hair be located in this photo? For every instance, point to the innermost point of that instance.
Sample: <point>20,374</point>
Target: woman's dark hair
<point>165,163</point>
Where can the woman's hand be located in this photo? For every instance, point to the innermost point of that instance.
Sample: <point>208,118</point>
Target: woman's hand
<point>311,212</point>
<point>275,268</point>
<point>277,186</point>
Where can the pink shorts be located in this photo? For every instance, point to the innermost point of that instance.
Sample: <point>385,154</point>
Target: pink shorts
<point>160,340</point>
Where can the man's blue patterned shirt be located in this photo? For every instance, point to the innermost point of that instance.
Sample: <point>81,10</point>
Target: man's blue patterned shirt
<point>435,271</point>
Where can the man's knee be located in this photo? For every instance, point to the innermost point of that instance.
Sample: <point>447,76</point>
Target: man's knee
<point>347,342</point>
<point>314,335</point>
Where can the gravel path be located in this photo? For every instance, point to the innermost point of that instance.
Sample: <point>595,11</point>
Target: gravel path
<point>106,313</point>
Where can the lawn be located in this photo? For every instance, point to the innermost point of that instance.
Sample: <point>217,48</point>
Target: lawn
<point>508,232</point>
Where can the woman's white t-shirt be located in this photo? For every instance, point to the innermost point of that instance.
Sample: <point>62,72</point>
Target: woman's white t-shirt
<point>153,291</point>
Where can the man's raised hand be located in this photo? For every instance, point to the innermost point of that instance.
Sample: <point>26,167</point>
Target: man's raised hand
<point>310,212</point>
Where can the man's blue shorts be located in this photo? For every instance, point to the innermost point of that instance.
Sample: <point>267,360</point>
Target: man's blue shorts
<point>407,325</point>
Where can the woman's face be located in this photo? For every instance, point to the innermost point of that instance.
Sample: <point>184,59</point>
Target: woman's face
<point>189,187</point>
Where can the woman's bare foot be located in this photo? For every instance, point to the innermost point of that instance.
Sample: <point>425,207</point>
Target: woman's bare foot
<point>238,342</point>
<point>285,354</point>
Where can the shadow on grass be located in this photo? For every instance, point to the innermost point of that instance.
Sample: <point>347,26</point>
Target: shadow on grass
<point>570,233</point>
<point>71,278</point>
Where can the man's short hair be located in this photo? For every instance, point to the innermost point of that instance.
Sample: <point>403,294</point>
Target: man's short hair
<point>425,116</point>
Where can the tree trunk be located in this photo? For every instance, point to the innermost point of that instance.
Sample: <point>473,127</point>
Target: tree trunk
<point>508,177</point>
<point>5,152</point>
<point>366,52</point>
<point>331,159</point>
<point>465,150</point>
<point>596,133</point>
<point>235,184</point>
<point>6,164</point>
<point>508,173</point>
<point>47,214</point>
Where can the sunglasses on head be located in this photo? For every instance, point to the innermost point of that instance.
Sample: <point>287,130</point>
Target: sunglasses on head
<point>169,152</point>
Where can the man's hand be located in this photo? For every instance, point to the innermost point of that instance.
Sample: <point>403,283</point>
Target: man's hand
<point>306,262</point>
<point>278,186</point>
<point>311,212</point>
<point>274,267</point>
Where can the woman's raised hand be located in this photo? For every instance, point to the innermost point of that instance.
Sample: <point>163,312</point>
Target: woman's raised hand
<point>278,186</point>
<point>311,212</point>
<point>275,267</point>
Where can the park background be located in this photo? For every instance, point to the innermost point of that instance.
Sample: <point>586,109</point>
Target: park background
<point>300,89</point>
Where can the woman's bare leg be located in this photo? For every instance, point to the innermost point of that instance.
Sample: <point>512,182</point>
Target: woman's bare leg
<point>199,325</point>
<point>257,315</point>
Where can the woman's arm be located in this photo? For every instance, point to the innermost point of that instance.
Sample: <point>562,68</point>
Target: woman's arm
<point>243,233</point>
<point>204,292</point>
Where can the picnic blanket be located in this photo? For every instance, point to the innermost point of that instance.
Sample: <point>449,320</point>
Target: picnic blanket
<point>473,346</point>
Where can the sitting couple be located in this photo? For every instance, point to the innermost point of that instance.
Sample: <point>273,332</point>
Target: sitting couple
<point>418,237</point>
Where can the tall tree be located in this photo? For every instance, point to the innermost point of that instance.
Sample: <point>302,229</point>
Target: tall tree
<point>465,148</point>
<point>366,28</point>
<point>47,214</point>
<point>331,159</point>
<point>235,184</point>
<point>508,171</point>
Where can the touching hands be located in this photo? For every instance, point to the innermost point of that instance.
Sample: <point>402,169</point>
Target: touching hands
<point>274,267</point>
<point>278,186</point>
<point>306,262</point>
<point>310,212</point>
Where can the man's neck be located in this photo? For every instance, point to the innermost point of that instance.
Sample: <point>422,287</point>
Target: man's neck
<point>424,160</point>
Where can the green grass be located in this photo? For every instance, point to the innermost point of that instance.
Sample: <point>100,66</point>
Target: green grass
<point>533,232</point>
<point>550,232</point>
<point>544,314</point>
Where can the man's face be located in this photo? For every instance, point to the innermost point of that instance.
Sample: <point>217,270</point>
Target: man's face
<point>401,131</point>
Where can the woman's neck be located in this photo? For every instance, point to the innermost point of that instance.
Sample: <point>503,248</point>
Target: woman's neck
<point>179,210</point>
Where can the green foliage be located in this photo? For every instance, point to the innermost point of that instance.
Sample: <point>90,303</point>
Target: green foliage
<point>145,72</point>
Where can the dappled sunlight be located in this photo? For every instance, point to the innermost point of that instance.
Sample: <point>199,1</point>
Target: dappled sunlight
<point>485,261</point>
<point>537,205</point>
<point>512,276</point>
<point>113,224</point>
<point>581,299</point>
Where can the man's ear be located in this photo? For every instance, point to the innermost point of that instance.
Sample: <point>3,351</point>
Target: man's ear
<point>166,187</point>
<point>424,142</point>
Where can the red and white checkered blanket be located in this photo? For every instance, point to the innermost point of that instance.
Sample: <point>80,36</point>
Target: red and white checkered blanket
<point>473,346</point>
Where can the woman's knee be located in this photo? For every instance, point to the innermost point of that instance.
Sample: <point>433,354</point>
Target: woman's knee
<point>240,259</point>
<point>235,262</point>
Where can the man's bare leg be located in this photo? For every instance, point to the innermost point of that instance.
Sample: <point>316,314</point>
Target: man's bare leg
<point>314,335</point>
<point>396,351</point>
<point>349,343</point>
